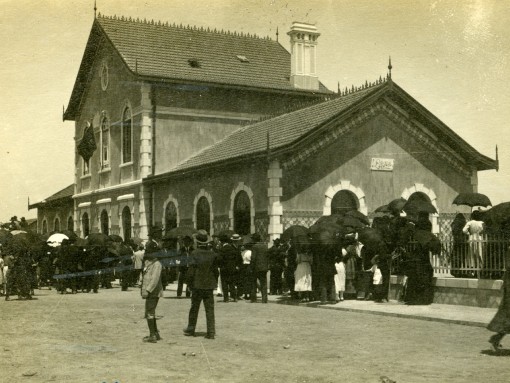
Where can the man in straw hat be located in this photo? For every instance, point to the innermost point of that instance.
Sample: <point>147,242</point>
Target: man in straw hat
<point>203,279</point>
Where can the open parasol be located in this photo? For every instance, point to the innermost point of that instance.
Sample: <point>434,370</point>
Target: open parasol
<point>359,216</point>
<point>397,204</point>
<point>180,232</point>
<point>56,239</point>
<point>294,231</point>
<point>472,199</point>
<point>418,205</point>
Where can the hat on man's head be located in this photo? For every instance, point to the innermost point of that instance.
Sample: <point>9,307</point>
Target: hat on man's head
<point>151,247</point>
<point>255,237</point>
<point>202,237</point>
<point>235,237</point>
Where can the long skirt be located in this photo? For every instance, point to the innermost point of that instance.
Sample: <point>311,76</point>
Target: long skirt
<point>340,277</point>
<point>501,321</point>
<point>303,277</point>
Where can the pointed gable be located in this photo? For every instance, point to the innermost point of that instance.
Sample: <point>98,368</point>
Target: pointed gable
<point>292,132</point>
<point>152,50</point>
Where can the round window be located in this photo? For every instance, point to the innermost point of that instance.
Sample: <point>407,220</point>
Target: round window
<point>104,76</point>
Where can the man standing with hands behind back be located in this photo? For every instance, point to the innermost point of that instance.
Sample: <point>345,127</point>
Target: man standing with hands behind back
<point>203,279</point>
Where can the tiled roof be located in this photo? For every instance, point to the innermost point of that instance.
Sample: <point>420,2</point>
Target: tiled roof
<point>165,51</point>
<point>283,130</point>
<point>65,193</point>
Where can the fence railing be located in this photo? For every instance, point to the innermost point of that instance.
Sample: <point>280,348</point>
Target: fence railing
<point>482,257</point>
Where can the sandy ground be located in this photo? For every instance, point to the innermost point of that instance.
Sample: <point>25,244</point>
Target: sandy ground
<point>98,338</point>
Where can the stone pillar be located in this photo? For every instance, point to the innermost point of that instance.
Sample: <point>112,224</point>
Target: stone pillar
<point>146,133</point>
<point>144,199</point>
<point>275,208</point>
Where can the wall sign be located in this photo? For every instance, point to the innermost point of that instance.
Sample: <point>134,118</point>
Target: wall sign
<point>382,164</point>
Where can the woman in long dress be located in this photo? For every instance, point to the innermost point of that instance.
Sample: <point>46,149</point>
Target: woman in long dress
<point>500,324</point>
<point>303,273</point>
<point>340,278</point>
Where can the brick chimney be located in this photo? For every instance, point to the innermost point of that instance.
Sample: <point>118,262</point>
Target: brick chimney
<point>303,48</point>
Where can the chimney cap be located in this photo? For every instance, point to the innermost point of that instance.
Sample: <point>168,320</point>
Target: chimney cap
<point>298,26</point>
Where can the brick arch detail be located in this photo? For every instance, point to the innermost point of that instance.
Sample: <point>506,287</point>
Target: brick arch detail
<point>344,185</point>
<point>203,193</point>
<point>417,187</point>
<point>242,187</point>
<point>171,198</point>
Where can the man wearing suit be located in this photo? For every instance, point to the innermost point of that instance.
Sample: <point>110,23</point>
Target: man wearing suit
<point>202,277</point>
<point>184,253</point>
<point>259,264</point>
<point>231,261</point>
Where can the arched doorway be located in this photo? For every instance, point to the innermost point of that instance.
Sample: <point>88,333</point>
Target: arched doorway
<point>242,214</point>
<point>56,225</point>
<point>344,201</point>
<point>104,222</point>
<point>70,224</point>
<point>170,216</point>
<point>85,227</point>
<point>203,215</point>
<point>418,198</point>
<point>126,223</point>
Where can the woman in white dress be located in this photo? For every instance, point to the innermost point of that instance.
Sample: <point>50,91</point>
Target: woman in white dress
<point>340,277</point>
<point>303,273</point>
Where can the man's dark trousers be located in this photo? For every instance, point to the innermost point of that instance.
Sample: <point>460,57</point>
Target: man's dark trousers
<point>261,276</point>
<point>197,296</point>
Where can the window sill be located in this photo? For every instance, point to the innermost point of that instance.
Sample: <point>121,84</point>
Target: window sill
<point>124,165</point>
<point>105,170</point>
<point>85,176</point>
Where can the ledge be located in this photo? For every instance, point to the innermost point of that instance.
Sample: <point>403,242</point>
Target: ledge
<point>125,165</point>
<point>459,283</point>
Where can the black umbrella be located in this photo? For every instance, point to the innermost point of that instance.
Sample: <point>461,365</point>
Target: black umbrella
<point>498,214</point>
<point>383,209</point>
<point>472,199</point>
<point>359,216</point>
<point>225,234</point>
<point>397,204</point>
<point>5,236</point>
<point>418,205</point>
<point>116,238</point>
<point>294,231</point>
<point>352,222</point>
<point>179,232</point>
<point>370,236</point>
<point>98,239</point>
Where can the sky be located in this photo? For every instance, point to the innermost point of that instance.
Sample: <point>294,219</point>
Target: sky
<point>452,56</point>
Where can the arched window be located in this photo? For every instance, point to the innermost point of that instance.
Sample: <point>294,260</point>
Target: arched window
<point>203,215</point>
<point>44,227</point>
<point>104,222</point>
<point>85,227</point>
<point>105,143</point>
<point>126,223</point>
<point>126,136</point>
<point>242,216</point>
<point>170,216</point>
<point>56,225</point>
<point>344,201</point>
<point>70,224</point>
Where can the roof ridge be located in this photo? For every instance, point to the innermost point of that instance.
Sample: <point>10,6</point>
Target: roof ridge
<point>184,27</point>
<point>366,85</point>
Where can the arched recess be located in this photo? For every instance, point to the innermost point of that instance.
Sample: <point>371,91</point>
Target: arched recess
<point>56,223</point>
<point>127,224</point>
<point>70,223</point>
<point>44,226</point>
<point>104,220</point>
<point>170,213</point>
<point>420,188</point>
<point>235,214</point>
<point>201,197</point>
<point>344,185</point>
<point>85,224</point>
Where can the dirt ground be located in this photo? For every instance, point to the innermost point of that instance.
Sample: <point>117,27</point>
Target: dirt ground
<point>98,338</point>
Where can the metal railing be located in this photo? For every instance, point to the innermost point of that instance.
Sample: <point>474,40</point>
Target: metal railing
<point>482,257</point>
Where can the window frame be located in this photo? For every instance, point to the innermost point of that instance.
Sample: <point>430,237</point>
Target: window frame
<point>105,127</point>
<point>126,111</point>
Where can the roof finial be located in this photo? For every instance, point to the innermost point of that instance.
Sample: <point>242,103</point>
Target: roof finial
<point>95,9</point>
<point>389,68</point>
<point>497,159</point>
<point>338,85</point>
<point>277,34</point>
